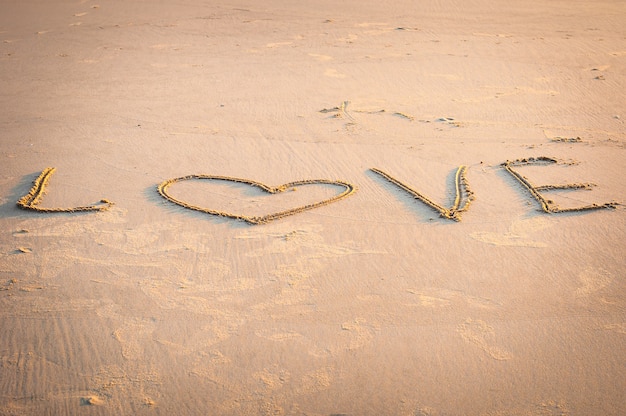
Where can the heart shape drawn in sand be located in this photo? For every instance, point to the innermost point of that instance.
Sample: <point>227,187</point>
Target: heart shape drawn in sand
<point>349,189</point>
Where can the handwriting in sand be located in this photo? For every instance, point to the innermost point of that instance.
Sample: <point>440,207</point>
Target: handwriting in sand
<point>463,194</point>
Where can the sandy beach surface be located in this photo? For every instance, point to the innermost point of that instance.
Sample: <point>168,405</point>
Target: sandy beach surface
<point>353,296</point>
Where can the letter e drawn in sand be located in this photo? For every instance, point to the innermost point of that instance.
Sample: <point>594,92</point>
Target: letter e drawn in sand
<point>349,189</point>
<point>547,205</point>
<point>463,197</point>
<point>33,198</point>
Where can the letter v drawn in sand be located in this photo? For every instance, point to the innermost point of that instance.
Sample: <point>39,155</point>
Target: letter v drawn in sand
<point>349,189</point>
<point>34,197</point>
<point>463,197</point>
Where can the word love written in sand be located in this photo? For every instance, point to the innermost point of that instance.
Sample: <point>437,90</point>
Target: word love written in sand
<point>463,194</point>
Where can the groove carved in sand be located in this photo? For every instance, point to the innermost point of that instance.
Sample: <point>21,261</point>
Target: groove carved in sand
<point>32,200</point>
<point>463,197</point>
<point>547,205</point>
<point>349,189</point>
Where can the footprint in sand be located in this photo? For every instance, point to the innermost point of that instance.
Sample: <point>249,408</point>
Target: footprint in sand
<point>112,381</point>
<point>519,234</point>
<point>354,334</point>
<point>620,328</point>
<point>131,335</point>
<point>358,333</point>
<point>479,333</point>
<point>322,58</point>
<point>295,290</point>
<point>315,381</point>
<point>427,411</point>
<point>333,73</point>
<point>506,239</point>
<point>592,280</point>
<point>169,46</point>
<point>170,295</point>
<point>78,15</point>
<point>297,274</point>
<point>545,408</point>
<point>550,408</point>
<point>440,297</point>
<point>197,341</point>
<point>349,336</point>
<point>272,380</point>
<point>272,335</point>
<point>349,39</point>
<point>286,240</point>
<point>375,28</point>
<point>278,44</point>
<point>431,301</point>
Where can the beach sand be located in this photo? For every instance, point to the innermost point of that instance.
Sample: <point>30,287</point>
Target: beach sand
<point>371,304</point>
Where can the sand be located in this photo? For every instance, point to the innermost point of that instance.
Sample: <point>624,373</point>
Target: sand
<point>368,304</point>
